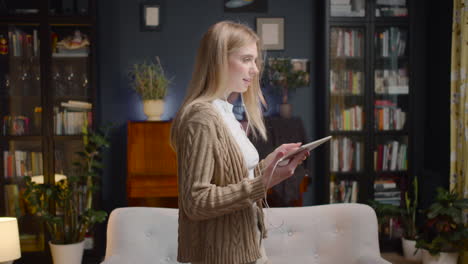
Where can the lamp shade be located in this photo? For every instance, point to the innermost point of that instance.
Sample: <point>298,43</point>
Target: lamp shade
<point>9,243</point>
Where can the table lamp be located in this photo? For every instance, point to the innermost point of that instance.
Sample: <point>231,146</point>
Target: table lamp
<point>9,243</point>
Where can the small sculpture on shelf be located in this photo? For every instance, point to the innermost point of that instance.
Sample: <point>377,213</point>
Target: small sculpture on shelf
<point>73,45</point>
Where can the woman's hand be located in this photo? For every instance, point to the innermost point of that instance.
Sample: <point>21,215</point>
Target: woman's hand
<point>282,173</point>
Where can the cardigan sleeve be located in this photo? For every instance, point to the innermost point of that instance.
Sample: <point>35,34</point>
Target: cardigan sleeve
<point>201,199</point>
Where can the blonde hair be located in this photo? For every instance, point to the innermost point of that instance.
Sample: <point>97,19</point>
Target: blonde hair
<point>210,73</point>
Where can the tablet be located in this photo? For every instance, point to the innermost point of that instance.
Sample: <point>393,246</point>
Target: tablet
<point>310,146</point>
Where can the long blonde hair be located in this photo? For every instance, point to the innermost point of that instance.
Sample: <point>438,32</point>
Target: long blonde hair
<point>210,73</point>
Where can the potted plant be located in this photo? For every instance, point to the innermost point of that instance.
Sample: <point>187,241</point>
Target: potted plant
<point>410,232</point>
<point>66,207</point>
<point>151,84</point>
<point>284,76</point>
<point>445,233</point>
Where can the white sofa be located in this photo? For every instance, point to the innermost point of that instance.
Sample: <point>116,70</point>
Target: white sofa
<point>325,234</point>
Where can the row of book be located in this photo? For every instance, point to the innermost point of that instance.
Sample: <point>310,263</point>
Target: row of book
<point>72,118</point>
<point>23,44</point>
<point>388,116</point>
<point>346,42</point>
<point>15,125</point>
<point>391,42</point>
<point>350,119</point>
<point>345,155</point>
<point>343,192</point>
<point>391,157</point>
<point>391,81</point>
<point>386,191</point>
<point>347,82</point>
<point>21,163</point>
<point>348,8</point>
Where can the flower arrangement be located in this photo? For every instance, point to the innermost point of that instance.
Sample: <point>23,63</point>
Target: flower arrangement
<point>149,80</point>
<point>281,74</point>
<point>66,207</point>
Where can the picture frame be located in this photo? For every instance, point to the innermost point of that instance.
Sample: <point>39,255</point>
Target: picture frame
<point>271,32</point>
<point>150,17</point>
<point>245,6</point>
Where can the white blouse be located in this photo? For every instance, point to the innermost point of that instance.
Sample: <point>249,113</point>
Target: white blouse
<point>248,150</point>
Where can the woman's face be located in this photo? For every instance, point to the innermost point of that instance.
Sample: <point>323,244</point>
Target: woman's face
<point>242,68</point>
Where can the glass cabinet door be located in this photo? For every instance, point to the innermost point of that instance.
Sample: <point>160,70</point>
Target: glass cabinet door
<point>347,8</point>
<point>70,79</point>
<point>346,81</point>
<point>391,8</point>
<point>19,7</point>
<point>391,108</point>
<point>391,80</point>
<point>20,80</point>
<point>69,7</point>
<point>22,157</point>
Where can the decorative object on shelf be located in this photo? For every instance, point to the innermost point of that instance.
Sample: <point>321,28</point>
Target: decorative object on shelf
<point>284,77</point>
<point>151,84</point>
<point>76,45</point>
<point>150,17</point>
<point>241,6</point>
<point>3,45</point>
<point>72,198</point>
<point>410,232</point>
<point>271,32</point>
<point>9,244</point>
<point>444,230</point>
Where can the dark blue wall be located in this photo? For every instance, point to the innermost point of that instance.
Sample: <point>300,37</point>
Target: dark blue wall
<point>121,43</point>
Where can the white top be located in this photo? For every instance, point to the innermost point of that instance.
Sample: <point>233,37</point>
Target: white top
<point>248,150</point>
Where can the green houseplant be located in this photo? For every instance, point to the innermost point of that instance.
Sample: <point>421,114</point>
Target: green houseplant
<point>66,207</point>
<point>149,81</point>
<point>408,217</point>
<point>445,229</point>
<point>385,213</point>
<point>285,75</point>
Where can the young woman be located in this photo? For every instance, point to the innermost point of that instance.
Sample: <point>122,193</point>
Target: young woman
<point>221,180</point>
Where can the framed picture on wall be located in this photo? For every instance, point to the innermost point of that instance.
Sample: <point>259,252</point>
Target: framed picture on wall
<point>150,17</point>
<point>239,6</point>
<point>271,32</point>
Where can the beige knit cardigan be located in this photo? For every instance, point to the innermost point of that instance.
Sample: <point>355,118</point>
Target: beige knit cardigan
<point>216,197</point>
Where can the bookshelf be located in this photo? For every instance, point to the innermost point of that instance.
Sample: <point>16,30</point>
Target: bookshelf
<point>47,94</point>
<point>369,95</point>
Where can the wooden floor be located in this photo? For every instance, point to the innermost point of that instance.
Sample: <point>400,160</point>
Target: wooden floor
<point>396,258</point>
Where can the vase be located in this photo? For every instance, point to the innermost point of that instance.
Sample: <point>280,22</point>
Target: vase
<point>153,109</point>
<point>285,110</point>
<point>441,258</point>
<point>409,249</point>
<point>68,253</point>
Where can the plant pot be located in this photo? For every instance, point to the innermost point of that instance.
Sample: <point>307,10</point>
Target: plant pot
<point>285,110</point>
<point>409,249</point>
<point>441,258</point>
<point>67,254</point>
<point>153,109</point>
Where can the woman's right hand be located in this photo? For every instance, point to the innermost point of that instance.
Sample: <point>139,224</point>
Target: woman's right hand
<point>281,173</point>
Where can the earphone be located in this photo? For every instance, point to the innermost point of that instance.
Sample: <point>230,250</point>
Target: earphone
<point>269,176</point>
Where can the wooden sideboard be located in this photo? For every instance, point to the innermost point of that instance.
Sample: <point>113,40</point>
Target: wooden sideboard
<point>151,165</point>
